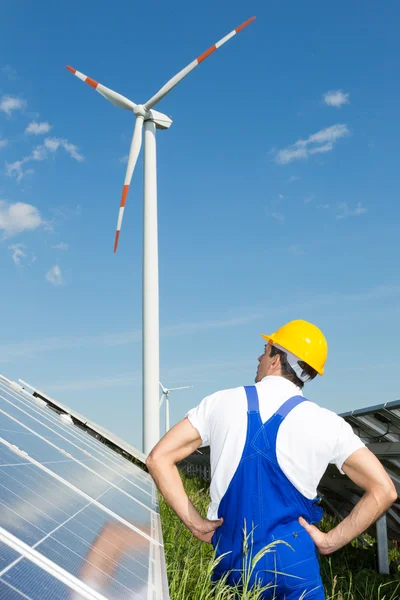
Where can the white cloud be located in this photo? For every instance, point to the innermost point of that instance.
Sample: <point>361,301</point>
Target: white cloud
<point>336,98</point>
<point>293,178</point>
<point>52,144</point>
<point>61,246</point>
<point>10,103</point>
<point>324,206</point>
<point>17,253</point>
<point>124,159</point>
<point>290,154</point>
<point>321,149</point>
<point>3,143</point>
<point>308,199</point>
<point>281,196</point>
<point>329,134</point>
<point>54,275</point>
<point>320,142</point>
<point>278,216</point>
<point>18,217</point>
<point>345,211</point>
<point>40,153</point>
<point>38,128</point>
<point>15,169</point>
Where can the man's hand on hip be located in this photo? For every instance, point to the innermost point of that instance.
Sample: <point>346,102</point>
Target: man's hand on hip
<point>320,539</point>
<point>204,530</point>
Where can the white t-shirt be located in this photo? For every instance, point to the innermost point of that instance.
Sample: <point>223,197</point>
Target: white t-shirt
<point>308,440</point>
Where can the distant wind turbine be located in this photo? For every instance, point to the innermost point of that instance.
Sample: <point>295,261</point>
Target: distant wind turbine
<point>149,119</point>
<point>165,394</point>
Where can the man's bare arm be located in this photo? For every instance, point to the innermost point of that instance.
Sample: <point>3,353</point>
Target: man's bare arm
<point>178,443</point>
<point>367,472</point>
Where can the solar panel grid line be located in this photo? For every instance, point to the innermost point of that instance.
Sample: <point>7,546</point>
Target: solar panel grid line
<point>35,508</point>
<point>122,484</point>
<point>64,524</point>
<point>72,544</point>
<point>11,587</point>
<point>45,462</point>
<point>75,459</point>
<point>22,501</point>
<point>84,495</point>
<point>49,566</point>
<point>94,445</point>
<point>115,439</point>
<point>110,579</point>
<point>85,526</point>
<point>63,428</point>
<point>50,533</point>
<point>59,526</point>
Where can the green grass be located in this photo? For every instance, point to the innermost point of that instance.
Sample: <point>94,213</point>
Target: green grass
<point>349,574</point>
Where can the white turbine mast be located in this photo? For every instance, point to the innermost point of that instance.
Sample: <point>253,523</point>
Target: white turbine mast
<point>165,395</point>
<point>149,119</point>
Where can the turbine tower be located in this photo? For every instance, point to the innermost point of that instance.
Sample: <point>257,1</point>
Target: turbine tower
<point>149,119</point>
<point>165,394</point>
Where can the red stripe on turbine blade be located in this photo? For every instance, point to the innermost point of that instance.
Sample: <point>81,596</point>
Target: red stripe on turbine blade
<point>91,82</point>
<point>124,195</point>
<point>71,69</point>
<point>206,54</point>
<point>116,241</point>
<point>243,25</point>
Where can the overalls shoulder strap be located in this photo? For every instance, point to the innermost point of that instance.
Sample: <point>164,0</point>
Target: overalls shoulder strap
<point>252,398</point>
<point>289,405</point>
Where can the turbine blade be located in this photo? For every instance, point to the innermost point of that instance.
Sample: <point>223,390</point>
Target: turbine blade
<point>114,97</point>
<point>132,160</point>
<point>186,387</point>
<point>161,400</point>
<point>179,76</point>
<point>163,388</point>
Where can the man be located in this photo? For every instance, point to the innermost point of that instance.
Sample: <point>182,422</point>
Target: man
<point>266,468</point>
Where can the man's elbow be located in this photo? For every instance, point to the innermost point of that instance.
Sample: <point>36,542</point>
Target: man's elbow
<point>155,460</point>
<point>151,461</point>
<point>392,493</point>
<point>386,495</point>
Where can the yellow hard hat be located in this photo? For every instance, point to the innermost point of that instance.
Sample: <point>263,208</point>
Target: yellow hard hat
<point>304,340</point>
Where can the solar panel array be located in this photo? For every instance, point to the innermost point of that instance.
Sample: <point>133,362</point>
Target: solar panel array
<point>77,520</point>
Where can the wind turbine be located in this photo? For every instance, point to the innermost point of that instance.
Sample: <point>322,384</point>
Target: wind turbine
<point>165,394</point>
<point>149,119</point>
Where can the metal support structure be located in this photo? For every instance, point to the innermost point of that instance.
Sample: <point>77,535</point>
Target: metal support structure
<point>382,540</point>
<point>151,342</point>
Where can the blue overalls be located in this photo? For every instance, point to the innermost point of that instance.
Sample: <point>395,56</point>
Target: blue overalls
<point>262,499</point>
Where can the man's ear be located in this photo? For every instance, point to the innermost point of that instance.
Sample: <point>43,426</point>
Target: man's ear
<point>276,361</point>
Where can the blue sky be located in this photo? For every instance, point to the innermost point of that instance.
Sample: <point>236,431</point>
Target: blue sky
<point>278,197</point>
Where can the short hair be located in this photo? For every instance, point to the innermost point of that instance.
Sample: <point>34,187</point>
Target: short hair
<point>288,372</point>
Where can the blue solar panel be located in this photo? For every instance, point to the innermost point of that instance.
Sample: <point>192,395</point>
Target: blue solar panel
<point>20,404</point>
<point>74,515</point>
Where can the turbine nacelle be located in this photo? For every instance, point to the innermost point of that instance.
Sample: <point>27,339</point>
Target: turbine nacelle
<point>162,121</point>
